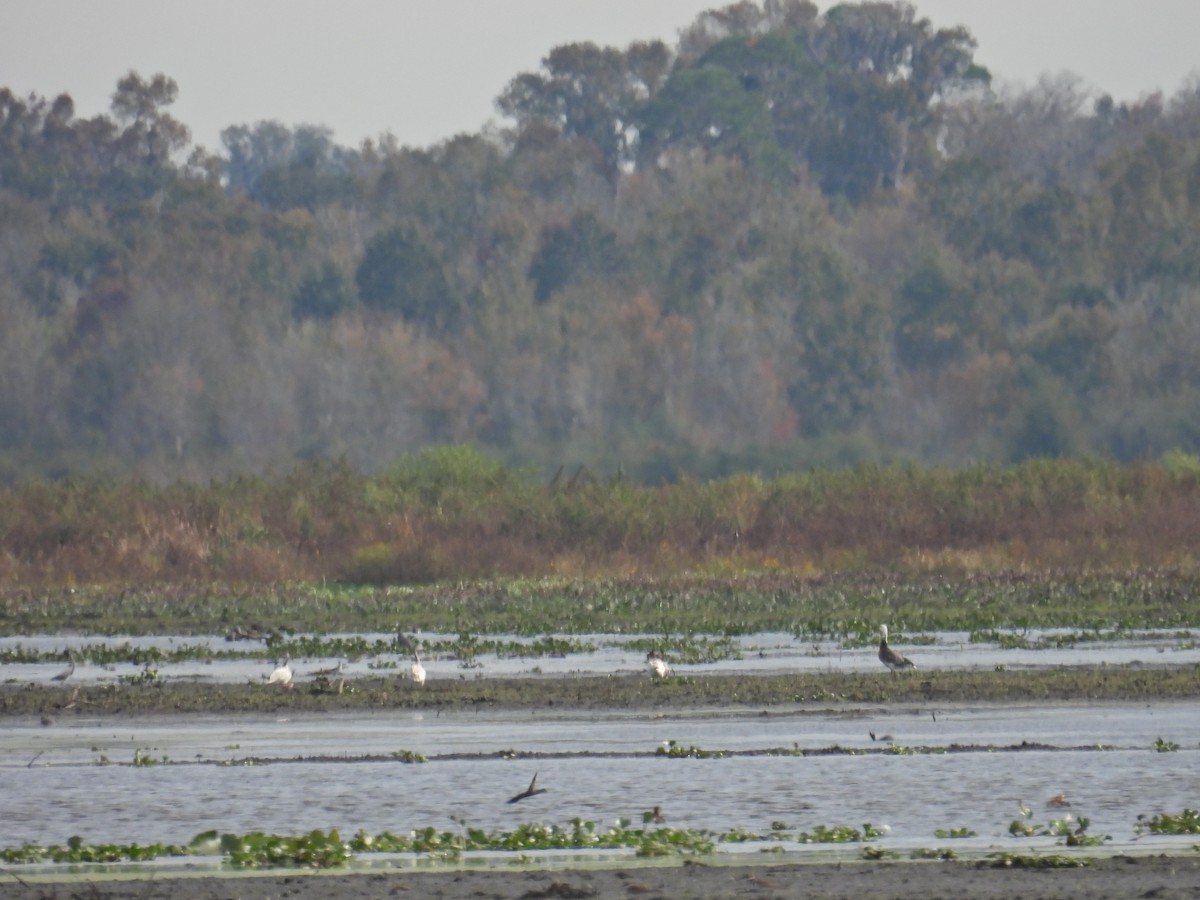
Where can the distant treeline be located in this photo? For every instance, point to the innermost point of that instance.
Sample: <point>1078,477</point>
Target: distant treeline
<point>791,240</point>
<point>452,515</point>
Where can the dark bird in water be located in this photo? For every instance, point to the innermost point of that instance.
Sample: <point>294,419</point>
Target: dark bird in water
<point>882,737</point>
<point>889,657</point>
<point>529,791</point>
<point>68,671</point>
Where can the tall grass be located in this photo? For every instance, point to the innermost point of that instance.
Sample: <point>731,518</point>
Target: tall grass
<point>451,513</point>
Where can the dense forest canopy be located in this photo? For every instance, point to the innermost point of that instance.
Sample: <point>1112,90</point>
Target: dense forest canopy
<point>792,239</point>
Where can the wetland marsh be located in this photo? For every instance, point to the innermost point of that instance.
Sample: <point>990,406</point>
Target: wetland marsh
<point>1026,688</point>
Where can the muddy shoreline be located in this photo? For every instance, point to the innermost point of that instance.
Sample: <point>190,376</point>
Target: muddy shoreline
<point>1115,683</point>
<point>1160,876</point>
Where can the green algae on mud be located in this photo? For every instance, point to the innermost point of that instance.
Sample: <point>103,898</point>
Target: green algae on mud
<point>1112,683</point>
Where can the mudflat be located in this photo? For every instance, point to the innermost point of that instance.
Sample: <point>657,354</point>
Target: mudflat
<point>1116,876</point>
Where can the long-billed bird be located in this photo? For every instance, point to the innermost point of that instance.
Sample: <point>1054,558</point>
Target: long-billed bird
<point>529,791</point>
<point>889,657</point>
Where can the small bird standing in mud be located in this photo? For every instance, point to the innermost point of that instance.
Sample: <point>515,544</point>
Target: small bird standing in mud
<point>657,664</point>
<point>282,673</point>
<point>529,791</point>
<point>68,671</point>
<point>889,657</point>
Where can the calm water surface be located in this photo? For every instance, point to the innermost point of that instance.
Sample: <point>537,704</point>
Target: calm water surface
<point>53,786</point>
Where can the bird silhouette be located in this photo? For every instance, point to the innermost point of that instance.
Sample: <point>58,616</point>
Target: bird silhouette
<point>889,657</point>
<point>529,791</point>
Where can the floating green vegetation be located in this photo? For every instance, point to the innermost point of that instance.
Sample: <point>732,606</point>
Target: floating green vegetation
<point>409,756</point>
<point>821,834</point>
<point>580,834</point>
<point>878,853</point>
<point>148,675</point>
<point>142,759</point>
<point>675,751</point>
<point>1036,861</point>
<point>317,850</point>
<point>933,853</point>
<point>947,833</point>
<point>688,649</point>
<point>1163,746</point>
<point>1073,830</point>
<point>1186,822</point>
<point>837,606</point>
<point>76,851</point>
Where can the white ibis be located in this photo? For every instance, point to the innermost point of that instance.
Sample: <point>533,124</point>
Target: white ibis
<point>889,657</point>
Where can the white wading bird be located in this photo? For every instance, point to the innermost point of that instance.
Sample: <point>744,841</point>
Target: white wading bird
<point>282,673</point>
<point>417,671</point>
<point>889,657</point>
<point>657,664</point>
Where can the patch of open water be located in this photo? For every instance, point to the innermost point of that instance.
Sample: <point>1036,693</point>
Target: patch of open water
<point>758,654</point>
<point>53,787</point>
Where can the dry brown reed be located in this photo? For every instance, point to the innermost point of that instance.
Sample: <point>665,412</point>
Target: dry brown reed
<point>453,514</point>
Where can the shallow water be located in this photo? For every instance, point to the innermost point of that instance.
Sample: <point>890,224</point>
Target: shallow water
<point>54,788</point>
<point>757,654</point>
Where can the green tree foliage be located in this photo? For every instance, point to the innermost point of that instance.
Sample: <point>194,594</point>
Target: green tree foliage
<point>283,168</point>
<point>401,274</point>
<point>591,93</point>
<point>570,254</point>
<point>322,294</point>
<point>795,238</point>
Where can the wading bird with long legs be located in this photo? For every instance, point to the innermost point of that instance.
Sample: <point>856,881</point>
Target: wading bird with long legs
<point>893,659</point>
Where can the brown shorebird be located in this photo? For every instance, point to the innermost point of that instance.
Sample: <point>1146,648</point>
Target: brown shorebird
<point>529,791</point>
<point>889,657</point>
<point>68,671</point>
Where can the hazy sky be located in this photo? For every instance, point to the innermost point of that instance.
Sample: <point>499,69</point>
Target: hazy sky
<point>425,70</point>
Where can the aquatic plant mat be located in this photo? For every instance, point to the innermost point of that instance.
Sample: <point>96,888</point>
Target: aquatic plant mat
<point>828,875</point>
